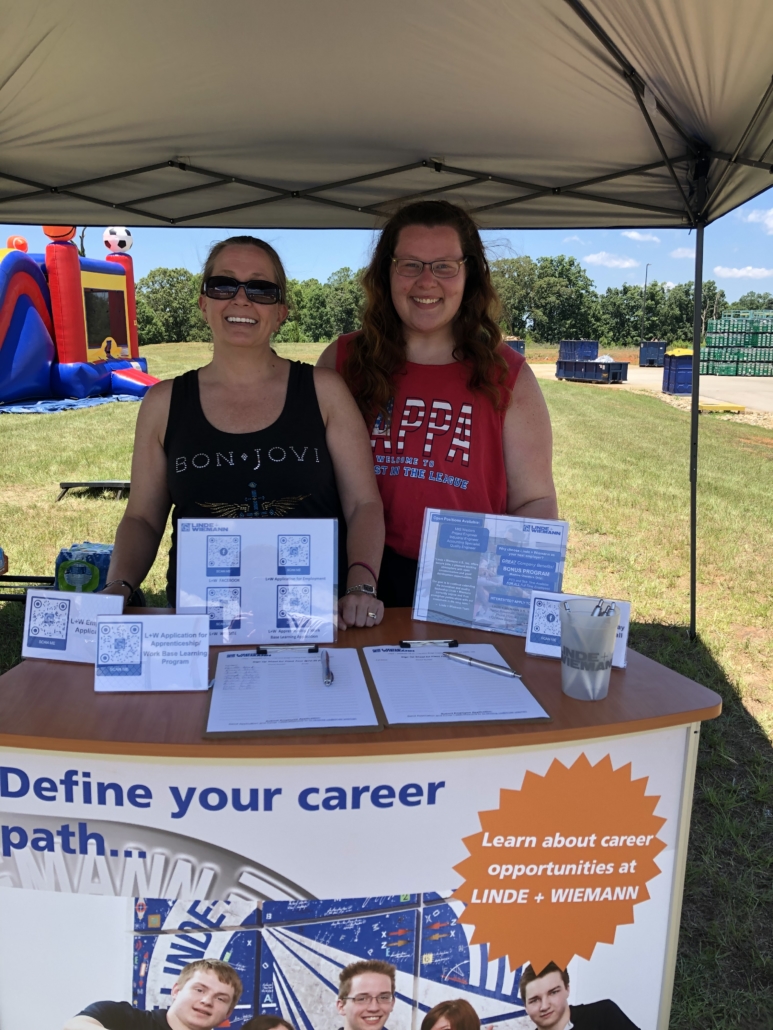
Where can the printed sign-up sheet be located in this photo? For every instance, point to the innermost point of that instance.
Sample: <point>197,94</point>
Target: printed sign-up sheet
<point>423,686</point>
<point>286,692</point>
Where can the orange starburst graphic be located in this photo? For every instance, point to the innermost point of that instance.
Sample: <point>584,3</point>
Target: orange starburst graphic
<point>561,863</point>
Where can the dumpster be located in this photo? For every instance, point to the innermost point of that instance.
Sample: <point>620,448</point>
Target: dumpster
<point>651,354</point>
<point>677,373</point>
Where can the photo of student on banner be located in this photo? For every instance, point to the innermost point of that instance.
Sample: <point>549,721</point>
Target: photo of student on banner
<point>456,1014</point>
<point>204,996</point>
<point>546,997</point>
<point>366,994</point>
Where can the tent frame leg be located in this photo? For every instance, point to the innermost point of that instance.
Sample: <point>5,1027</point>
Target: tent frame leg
<point>697,325</point>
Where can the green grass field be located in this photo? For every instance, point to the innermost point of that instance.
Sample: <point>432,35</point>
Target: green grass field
<point>621,473</point>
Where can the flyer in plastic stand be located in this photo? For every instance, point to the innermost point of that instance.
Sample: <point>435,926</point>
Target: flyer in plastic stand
<point>479,570</point>
<point>260,581</point>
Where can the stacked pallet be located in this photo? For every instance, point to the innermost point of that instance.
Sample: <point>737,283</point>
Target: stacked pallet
<point>739,344</point>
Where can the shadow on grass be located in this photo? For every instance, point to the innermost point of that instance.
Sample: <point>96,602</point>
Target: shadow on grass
<point>724,975</point>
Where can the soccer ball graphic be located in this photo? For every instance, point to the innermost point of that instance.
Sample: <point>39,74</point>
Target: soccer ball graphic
<point>117,238</point>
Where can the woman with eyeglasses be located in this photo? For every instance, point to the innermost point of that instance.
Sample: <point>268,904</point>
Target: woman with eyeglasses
<point>457,418</point>
<point>252,435</point>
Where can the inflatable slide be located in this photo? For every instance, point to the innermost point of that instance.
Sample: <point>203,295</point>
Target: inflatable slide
<point>68,324</point>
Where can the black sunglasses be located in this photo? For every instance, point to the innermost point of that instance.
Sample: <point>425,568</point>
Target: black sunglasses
<point>223,287</point>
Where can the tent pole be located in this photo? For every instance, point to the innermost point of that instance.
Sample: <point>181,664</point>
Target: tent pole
<point>697,325</point>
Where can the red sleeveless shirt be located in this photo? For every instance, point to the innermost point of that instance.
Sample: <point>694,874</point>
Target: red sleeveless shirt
<point>440,447</point>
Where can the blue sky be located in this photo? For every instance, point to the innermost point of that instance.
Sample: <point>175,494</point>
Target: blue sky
<point>738,249</point>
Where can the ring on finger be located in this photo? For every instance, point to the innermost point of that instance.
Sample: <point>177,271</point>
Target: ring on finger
<point>372,615</point>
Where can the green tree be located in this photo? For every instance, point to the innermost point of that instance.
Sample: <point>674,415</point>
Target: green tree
<point>345,298</point>
<point>149,328</point>
<point>514,280</point>
<point>620,314</point>
<point>315,318</point>
<point>677,314</point>
<point>291,330</point>
<point>564,301</point>
<point>172,295</point>
<point>752,301</point>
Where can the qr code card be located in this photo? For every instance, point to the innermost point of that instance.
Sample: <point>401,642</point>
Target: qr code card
<point>543,632</point>
<point>49,621</point>
<point>293,605</point>
<point>224,555</point>
<point>293,555</point>
<point>119,648</point>
<point>545,625</point>
<point>224,607</point>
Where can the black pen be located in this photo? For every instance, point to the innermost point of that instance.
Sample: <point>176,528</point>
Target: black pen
<point>327,672</point>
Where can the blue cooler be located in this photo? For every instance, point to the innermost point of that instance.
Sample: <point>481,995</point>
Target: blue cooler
<point>82,568</point>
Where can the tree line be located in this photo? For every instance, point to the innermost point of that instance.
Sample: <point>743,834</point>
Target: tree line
<point>543,300</point>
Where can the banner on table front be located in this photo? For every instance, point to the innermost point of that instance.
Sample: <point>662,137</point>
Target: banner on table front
<point>565,851</point>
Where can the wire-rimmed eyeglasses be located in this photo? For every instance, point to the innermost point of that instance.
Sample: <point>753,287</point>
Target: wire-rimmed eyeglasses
<point>412,268</point>
<point>365,999</point>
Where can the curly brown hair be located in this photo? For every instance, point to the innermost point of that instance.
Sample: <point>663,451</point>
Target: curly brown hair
<point>377,354</point>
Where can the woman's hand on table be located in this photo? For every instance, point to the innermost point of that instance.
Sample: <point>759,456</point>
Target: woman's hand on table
<point>359,609</point>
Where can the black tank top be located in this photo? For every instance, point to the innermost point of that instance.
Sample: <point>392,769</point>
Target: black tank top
<point>282,471</point>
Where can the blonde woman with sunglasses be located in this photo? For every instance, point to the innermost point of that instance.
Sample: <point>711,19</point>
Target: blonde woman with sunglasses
<point>252,435</point>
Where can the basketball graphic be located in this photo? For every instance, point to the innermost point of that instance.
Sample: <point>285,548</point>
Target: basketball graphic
<point>59,233</point>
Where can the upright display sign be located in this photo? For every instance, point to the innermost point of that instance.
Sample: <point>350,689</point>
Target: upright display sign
<point>261,581</point>
<point>479,570</point>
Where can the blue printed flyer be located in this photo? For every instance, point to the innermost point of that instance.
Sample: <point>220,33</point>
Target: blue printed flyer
<point>260,580</point>
<point>480,570</point>
<point>63,626</point>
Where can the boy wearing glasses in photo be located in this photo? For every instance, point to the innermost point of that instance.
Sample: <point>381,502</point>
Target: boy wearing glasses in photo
<point>366,994</point>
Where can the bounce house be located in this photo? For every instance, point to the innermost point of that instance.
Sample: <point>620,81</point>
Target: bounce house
<point>68,324</point>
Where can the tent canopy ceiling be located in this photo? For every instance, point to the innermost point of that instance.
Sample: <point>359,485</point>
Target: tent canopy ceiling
<point>532,113</point>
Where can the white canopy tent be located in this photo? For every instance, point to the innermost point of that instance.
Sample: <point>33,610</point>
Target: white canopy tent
<point>531,113</point>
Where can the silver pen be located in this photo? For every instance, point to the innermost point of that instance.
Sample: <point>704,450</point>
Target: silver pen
<point>327,672</point>
<point>501,670</point>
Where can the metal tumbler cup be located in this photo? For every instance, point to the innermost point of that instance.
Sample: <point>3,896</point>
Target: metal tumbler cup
<point>587,646</point>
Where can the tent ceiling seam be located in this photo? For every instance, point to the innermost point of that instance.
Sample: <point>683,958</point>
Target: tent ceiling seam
<point>471,178</point>
<point>748,162</point>
<point>659,143</point>
<point>741,144</point>
<point>628,69</point>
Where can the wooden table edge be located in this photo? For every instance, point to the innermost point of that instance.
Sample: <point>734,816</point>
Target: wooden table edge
<point>373,747</point>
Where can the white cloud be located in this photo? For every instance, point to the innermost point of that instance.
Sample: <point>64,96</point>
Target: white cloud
<point>640,237</point>
<point>743,273</point>
<point>611,260</point>
<point>669,285</point>
<point>573,239</point>
<point>683,252</point>
<point>765,216</point>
